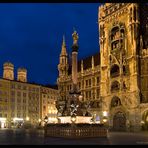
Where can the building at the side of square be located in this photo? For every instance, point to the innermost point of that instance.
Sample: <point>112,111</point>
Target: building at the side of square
<point>23,104</point>
<point>116,79</point>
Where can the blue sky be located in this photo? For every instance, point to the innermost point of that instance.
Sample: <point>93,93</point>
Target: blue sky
<point>31,35</point>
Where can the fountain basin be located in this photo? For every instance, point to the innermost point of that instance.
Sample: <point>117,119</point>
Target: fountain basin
<point>68,130</point>
<point>79,119</point>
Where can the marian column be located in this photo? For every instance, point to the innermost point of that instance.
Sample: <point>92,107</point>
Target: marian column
<point>74,61</point>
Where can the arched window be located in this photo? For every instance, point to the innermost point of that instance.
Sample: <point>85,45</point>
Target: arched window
<point>114,71</point>
<point>144,121</point>
<point>130,14</point>
<point>115,86</point>
<point>115,102</point>
<point>115,33</point>
<point>134,14</point>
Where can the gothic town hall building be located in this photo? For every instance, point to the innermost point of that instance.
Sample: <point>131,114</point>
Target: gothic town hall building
<point>116,79</point>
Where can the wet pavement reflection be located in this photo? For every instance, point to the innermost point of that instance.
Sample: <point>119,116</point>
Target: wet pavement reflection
<point>36,137</point>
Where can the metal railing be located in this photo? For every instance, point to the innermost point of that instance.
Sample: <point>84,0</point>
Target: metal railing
<point>75,131</point>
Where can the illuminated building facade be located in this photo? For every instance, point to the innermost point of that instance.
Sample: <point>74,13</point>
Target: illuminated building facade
<point>48,105</point>
<point>88,80</point>
<point>4,103</point>
<point>21,101</point>
<point>120,73</point>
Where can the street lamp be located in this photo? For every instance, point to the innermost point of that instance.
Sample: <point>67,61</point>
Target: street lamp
<point>80,98</point>
<point>73,119</point>
<point>27,118</point>
<point>46,120</point>
<point>105,114</point>
<point>105,117</point>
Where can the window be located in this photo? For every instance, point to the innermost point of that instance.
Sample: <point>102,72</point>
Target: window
<point>19,86</point>
<point>89,94</point>
<point>24,87</point>
<point>12,107</point>
<point>130,14</point>
<point>134,14</point>
<point>125,69</point>
<point>44,107</point>
<point>115,102</point>
<point>18,94</point>
<point>24,94</point>
<point>68,88</point>
<point>98,92</point>
<point>79,84</point>
<point>5,93</point>
<point>115,86</point>
<point>12,115</point>
<point>86,95</point>
<point>13,93</point>
<point>114,71</point>
<point>18,115</point>
<point>1,92</point>
<point>98,80</point>
<point>89,82</point>
<point>13,86</point>
<point>86,83</point>
<point>18,100</point>
<point>24,100</point>
<point>24,107</point>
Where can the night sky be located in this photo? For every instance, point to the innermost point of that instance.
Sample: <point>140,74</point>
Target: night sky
<point>31,35</point>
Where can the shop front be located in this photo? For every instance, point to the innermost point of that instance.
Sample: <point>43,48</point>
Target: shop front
<point>2,122</point>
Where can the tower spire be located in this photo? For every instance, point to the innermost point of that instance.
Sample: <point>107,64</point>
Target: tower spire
<point>63,44</point>
<point>63,50</point>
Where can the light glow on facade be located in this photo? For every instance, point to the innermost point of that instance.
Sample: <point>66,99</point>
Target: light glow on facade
<point>18,119</point>
<point>105,114</point>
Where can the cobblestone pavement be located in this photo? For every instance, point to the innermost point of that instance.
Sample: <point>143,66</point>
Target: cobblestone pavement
<point>36,137</point>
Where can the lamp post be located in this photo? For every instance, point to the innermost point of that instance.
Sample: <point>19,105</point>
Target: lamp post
<point>73,119</point>
<point>46,120</point>
<point>27,122</point>
<point>105,118</point>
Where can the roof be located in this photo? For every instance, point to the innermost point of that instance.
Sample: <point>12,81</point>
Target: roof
<point>87,63</point>
<point>51,86</point>
<point>33,83</point>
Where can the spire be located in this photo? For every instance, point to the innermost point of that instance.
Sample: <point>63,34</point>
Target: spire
<point>64,44</point>
<point>63,50</point>
<point>82,66</point>
<point>92,62</point>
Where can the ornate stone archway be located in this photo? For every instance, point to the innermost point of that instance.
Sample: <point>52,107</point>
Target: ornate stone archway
<point>145,120</point>
<point>119,121</point>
